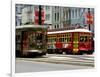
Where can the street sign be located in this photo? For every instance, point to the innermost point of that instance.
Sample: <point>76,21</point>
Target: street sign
<point>89,18</point>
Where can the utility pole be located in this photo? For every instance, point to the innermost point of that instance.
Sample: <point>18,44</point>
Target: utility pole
<point>89,23</point>
<point>40,15</point>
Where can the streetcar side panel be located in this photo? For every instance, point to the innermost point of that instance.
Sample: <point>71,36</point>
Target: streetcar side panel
<point>76,41</point>
<point>60,42</point>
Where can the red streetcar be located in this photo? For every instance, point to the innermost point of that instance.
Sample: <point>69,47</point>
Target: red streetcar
<point>77,41</point>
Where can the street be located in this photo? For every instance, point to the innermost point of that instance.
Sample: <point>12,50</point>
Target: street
<point>54,62</point>
<point>29,66</point>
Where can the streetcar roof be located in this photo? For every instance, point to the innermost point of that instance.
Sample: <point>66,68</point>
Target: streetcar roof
<point>30,26</point>
<point>75,30</point>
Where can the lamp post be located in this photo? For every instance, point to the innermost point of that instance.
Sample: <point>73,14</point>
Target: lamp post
<point>89,19</point>
<point>40,21</point>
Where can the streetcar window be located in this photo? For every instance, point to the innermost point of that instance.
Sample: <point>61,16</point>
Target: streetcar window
<point>67,35</point>
<point>85,38</point>
<point>64,39</point>
<point>39,36</point>
<point>90,38</point>
<point>50,40</point>
<point>17,37</point>
<point>39,46</point>
<point>53,39</point>
<point>69,39</point>
<point>60,39</point>
<point>81,39</point>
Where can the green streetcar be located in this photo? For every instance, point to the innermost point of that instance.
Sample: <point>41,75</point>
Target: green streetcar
<point>31,40</point>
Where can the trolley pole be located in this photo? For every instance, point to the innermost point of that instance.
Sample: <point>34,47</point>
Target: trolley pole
<point>89,23</point>
<point>40,21</point>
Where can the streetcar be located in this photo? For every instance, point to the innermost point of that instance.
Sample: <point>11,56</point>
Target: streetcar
<point>76,41</point>
<point>31,40</point>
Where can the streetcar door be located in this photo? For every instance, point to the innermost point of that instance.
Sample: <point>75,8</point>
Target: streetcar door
<point>31,38</point>
<point>75,42</point>
<point>24,41</point>
<point>41,40</point>
<point>18,43</point>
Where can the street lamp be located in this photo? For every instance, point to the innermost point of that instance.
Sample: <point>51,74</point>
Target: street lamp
<point>40,21</point>
<point>89,14</point>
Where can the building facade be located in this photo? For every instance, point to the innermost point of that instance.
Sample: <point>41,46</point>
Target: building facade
<point>56,17</point>
<point>60,17</point>
<point>27,14</point>
<point>18,14</point>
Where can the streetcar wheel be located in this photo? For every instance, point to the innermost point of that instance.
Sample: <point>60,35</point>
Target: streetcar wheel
<point>44,53</point>
<point>49,51</point>
<point>63,52</point>
<point>69,52</point>
<point>60,52</point>
<point>80,53</point>
<point>90,52</point>
<point>18,53</point>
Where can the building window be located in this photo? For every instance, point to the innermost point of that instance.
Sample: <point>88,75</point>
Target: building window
<point>47,16</point>
<point>57,16</point>
<point>76,13</point>
<point>47,7</point>
<point>55,7</point>
<point>73,13</point>
<point>68,15</point>
<point>19,22</point>
<point>79,12</point>
<point>55,27</point>
<point>63,14</point>
<point>18,9</point>
<point>29,8</point>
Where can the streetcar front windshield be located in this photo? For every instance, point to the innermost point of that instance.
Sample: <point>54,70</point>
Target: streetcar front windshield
<point>39,36</point>
<point>83,38</point>
<point>37,40</point>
